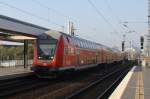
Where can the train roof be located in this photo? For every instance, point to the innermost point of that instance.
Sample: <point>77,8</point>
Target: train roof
<point>115,50</point>
<point>56,34</point>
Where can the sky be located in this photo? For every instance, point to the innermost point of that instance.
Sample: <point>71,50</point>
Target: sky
<point>106,24</point>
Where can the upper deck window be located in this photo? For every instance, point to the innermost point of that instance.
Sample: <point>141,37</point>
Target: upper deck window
<point>68,40</point>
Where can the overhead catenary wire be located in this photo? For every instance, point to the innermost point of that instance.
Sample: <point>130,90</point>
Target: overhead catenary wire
<point>53,10</point>
<point>57,12</point>
<point>114,14</point>
<point>30,14</point>
<point>116,17</point>
<point>124,24</point>
<point>110,9</point>
<point>121,24</point>
<point>101,15</point>
<point>140,22</point>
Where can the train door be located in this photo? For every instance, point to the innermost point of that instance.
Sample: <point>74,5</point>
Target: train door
<point>78,57</point>
<point>102,56</point>
<point>97,57</point>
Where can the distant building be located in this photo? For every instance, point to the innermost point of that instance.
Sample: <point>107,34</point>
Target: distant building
<point>145,58</point>
<point>131,53</point>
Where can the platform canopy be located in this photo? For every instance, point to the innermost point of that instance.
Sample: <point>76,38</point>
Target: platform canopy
<point>13,29</point>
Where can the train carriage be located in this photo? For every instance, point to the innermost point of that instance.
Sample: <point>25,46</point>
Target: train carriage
<point>56,51</point>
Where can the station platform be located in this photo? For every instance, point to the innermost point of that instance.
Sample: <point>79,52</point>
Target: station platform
<point>135,85</point>
<point>13,72</point>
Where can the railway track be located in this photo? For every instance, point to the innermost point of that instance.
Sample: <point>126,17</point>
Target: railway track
<point>51,86</point>
<point>101,88</point>
<point>60,88</point>
<point>12,86</point>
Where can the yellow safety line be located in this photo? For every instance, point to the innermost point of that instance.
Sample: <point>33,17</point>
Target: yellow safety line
<point>139,93</point>
<point>137,88</point>
<point>141,86</point>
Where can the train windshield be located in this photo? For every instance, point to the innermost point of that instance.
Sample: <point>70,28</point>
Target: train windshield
<point>46,49</point>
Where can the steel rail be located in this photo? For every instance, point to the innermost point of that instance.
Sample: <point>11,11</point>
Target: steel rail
<point>91,85</point>
<point>112,86</point>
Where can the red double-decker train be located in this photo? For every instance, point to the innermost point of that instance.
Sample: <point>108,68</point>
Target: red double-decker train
<point>56,51</point>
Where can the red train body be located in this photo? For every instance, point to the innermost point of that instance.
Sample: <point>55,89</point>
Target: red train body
<point>56,51</point>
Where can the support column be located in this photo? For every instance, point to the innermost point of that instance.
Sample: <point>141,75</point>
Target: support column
<point>25,53</point>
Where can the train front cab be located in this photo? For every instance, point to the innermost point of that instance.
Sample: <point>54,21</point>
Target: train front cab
<point>48,53</point>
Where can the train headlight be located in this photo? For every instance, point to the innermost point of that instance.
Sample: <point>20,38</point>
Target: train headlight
<point>52,57</point>
<point>39,57</point>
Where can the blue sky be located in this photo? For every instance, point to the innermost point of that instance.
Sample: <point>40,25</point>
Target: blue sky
<point>89,24</point>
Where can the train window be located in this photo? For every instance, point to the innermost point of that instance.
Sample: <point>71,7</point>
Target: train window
<point>91,46</point>
<point>69,50</point>
<point>88,44</point>
<point>66,50</point>
<point>94,46</point>
<point>76,42</point>
<point>72,51</point>
<point>68,40</point>
<point>84,46</point>
<point>46,49</point>
<point>79,43</point>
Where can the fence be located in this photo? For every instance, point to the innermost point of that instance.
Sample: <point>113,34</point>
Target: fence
<point>14,63</point>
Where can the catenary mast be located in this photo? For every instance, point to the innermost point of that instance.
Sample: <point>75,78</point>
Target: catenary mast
<point>148,36</point>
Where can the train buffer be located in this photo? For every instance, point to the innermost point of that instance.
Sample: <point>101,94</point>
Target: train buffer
<point>14,72</point>
<point>135,85</point>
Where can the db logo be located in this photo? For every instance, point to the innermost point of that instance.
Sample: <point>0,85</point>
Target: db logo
<point>44,64</point>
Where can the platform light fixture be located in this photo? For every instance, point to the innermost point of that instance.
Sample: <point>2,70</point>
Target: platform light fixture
<point>22,38</point>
